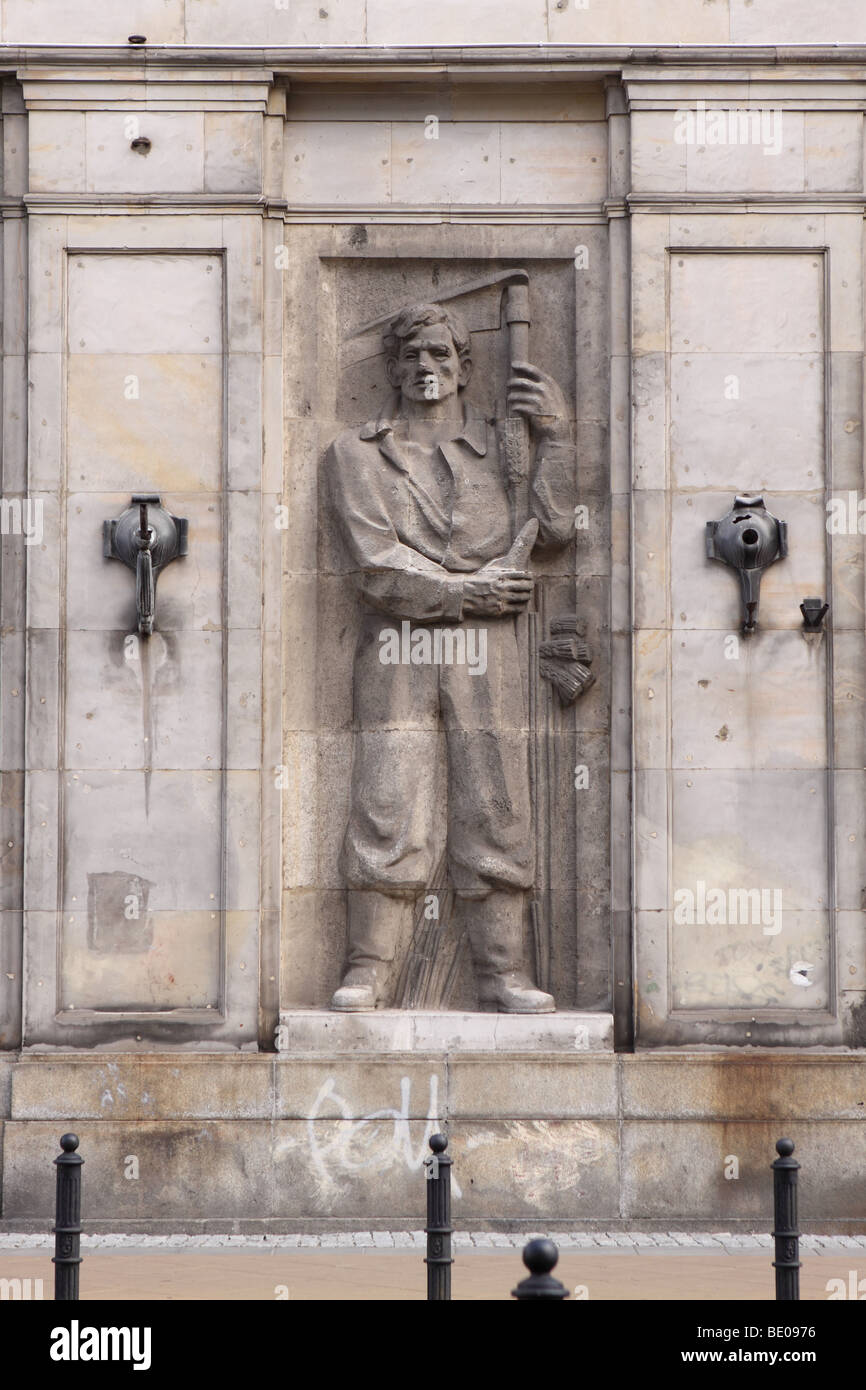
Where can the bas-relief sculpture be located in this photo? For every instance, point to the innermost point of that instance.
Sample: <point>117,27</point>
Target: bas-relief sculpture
<point>440,526</point>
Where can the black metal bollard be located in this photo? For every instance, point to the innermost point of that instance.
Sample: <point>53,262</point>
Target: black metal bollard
<point>67,1231</point>
<point>438,1227</point>
<point>786,1234</point>
<point>540,1256</point>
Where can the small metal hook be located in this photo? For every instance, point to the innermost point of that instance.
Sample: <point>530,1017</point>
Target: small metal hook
<point>814,612</point>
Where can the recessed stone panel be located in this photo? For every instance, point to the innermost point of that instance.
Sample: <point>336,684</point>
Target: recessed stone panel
<point>716,722</point>
<point>139,822</point>
<point>749,414</point>
<point>147,423</point>
<point>760,303</point>
<point>134,704</point>
<point>720,829</point>
<point>158,961</point>
<point>122,302</point>
<point>768,958</point>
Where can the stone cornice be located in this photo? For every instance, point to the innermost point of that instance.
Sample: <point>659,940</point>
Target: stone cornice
<point>737,201</point>
<point>324,63</point>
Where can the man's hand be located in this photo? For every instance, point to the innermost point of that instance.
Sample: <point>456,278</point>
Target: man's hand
<point>493,593</point>
<point>536,395</point>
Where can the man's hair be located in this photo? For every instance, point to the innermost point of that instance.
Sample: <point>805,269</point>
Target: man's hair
<point>408,321</point>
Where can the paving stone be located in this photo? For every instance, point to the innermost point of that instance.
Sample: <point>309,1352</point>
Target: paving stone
<point>563,1239</point>
<point>721,1242</point>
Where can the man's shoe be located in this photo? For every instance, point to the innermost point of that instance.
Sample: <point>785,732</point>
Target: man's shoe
<point>513,994</point>
<point>358,991</point>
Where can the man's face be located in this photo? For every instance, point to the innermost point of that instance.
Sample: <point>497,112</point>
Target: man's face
<point>427,367</point>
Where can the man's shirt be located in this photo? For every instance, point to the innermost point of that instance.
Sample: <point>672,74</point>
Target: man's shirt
<point>414,520</point>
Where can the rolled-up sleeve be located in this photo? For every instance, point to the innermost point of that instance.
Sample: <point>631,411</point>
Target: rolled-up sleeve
<point>552,493</point>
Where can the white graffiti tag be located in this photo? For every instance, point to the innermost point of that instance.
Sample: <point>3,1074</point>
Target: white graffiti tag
<point>343,1146</point>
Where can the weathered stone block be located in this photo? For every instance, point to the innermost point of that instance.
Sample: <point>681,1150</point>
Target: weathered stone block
<point>56,151</point>
<point>130,1087</point>
<point>232,152</point>
<point>552,162</point>
<point>462,166</point>
<point>174,163</point>
<point>548,1087</point>
<point>675,1171</point>
<point>338,162</point>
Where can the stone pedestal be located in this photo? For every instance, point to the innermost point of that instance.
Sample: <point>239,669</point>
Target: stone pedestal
<point>335,1141</point>
<point>386,1031</point>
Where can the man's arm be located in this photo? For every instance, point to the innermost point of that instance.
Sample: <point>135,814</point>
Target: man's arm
<point>537,396</point>
<point>394,578</point>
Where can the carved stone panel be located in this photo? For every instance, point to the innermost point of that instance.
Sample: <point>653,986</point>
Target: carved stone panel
<point>452,641</point>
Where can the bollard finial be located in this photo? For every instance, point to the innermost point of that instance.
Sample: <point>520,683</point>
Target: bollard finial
<point>540,1256</point>
<point>69,1143</point>
<point>784,1147</point>
<point>438,1143</point>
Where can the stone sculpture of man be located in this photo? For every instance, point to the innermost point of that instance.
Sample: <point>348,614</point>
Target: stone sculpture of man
<point>422,500</point>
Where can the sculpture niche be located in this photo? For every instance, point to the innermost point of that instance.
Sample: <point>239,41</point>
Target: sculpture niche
<point>440,510</point>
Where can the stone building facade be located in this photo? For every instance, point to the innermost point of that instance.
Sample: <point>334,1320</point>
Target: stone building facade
<point>201,236</point>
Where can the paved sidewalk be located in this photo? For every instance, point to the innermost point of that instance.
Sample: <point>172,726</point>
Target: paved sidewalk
<point>609,1242</point>
<point>388,1266</point>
